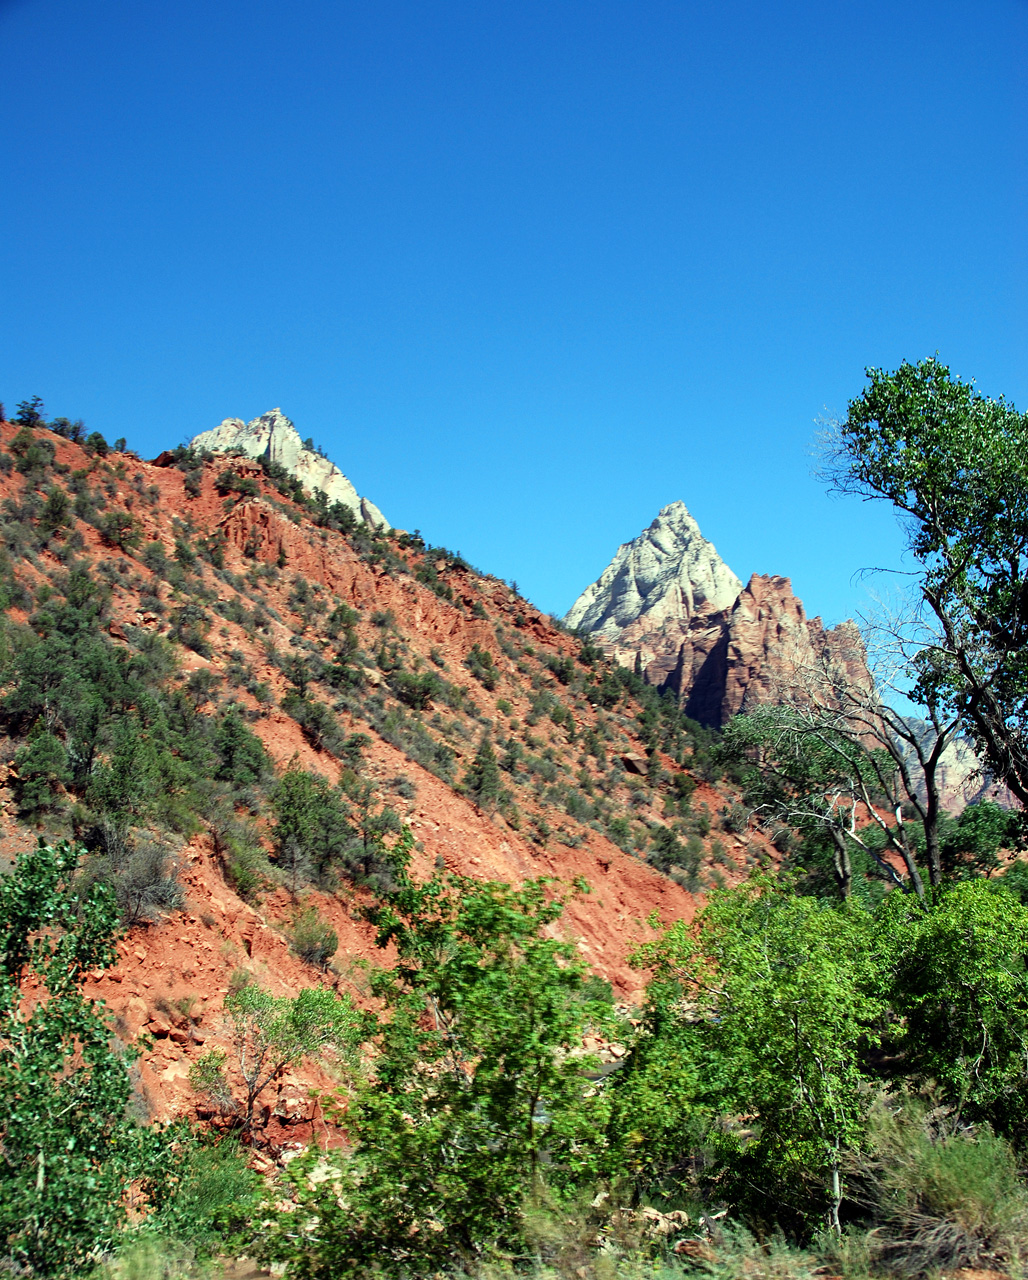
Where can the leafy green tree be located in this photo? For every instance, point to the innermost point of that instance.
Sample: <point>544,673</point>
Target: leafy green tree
<point>960,985</point>
<point>69,1152</point>
<point>270,1033</point>
<point>972,844</point>
<point>475,1089</point>
<point>954,463</point>
<point>787,991</point>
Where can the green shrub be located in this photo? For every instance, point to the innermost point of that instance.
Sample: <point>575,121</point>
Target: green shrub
<point>416,691</point>
<point>480,663</point>
<point>242,758</point>
<point>313,939</point>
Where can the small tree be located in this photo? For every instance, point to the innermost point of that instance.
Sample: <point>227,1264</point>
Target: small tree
<point>482,780</point>
<point>30,413</point>
<point>69,1150</point>
<point>271,1033</point>
<point>476,1087</point>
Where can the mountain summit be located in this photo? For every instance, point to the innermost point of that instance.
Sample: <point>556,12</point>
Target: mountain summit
<point>669,571</point>
<point>669,604</point>
<point>274,437</point>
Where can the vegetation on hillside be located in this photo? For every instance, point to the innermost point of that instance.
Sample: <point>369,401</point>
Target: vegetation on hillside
<point>829,1066</point>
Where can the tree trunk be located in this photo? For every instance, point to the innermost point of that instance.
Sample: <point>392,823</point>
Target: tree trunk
<point>841,864</point>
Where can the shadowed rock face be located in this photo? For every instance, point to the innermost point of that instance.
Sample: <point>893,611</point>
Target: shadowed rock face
<point>273,436</point>
<point>668,598</point>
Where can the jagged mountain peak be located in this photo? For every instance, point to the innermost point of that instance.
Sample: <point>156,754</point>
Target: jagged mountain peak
<point>669,571</point>
<point>275,437</point>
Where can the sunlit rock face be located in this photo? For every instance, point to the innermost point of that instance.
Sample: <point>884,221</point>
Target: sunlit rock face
<point>670,571</point>
<point>274,437</point>
<point>668,605</point>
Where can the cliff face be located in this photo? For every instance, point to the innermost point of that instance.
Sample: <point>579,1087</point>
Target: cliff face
<point>274,437</point>
<point>668,601</point>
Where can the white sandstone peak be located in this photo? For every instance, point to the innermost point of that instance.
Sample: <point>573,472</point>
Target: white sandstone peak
<point>273,436</point>
<point>670,571</point>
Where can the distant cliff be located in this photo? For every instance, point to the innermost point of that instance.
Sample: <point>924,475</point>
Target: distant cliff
<point>668,600</point>
<point>274,437</point>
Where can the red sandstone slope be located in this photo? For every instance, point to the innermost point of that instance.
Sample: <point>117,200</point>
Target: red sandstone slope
<point>174,973</point>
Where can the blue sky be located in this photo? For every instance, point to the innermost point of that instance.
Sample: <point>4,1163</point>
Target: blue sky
<point>526,271</point>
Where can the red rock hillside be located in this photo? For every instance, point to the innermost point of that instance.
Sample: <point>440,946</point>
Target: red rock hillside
<point>240,581</point>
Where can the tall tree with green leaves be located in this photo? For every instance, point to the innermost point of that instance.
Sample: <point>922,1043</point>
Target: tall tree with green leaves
<point>68,1151</point>
<point>954,464</point>
<point>478,1085</point>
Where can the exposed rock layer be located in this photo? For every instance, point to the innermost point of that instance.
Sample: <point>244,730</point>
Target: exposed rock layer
<point>273,436</point>
<point>668,601</point>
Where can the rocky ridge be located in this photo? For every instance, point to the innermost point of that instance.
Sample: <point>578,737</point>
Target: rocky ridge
<point>669,604</point>
<point>232,588</point>
<point>274,437</point>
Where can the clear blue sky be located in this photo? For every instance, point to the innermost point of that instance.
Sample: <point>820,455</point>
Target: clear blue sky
<point>527,271</point>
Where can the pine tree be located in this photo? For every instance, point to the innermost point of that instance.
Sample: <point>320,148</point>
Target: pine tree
<point>482,780</point>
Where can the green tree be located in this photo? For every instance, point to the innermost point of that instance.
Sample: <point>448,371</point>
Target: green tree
<point>960,985</point>
<point>482,780</point>
<point>243,759</point>
<point>954,463</point>
<point>42,768</point>
<point>56,513</point>
<point>312,831</point>
<point>120,529</point>
<point>30,413</point>
<point>270,1033</point>
<point>475,1088</point>
<point>69,1151</point>
<point>786,989</point>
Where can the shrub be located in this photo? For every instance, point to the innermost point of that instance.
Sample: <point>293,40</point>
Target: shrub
<point>480,663</point>
<point>417,691</point>
<point>942,1197</point>
<point>320,726</point>
<point>313,939</point>
<point>144,880</point>
<point>230,481</point>
<point>735,818</point>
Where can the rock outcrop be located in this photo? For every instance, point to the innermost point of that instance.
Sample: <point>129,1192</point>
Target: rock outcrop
<point>669,572</point>
<point>670,604</point>
<point>274,437</point>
